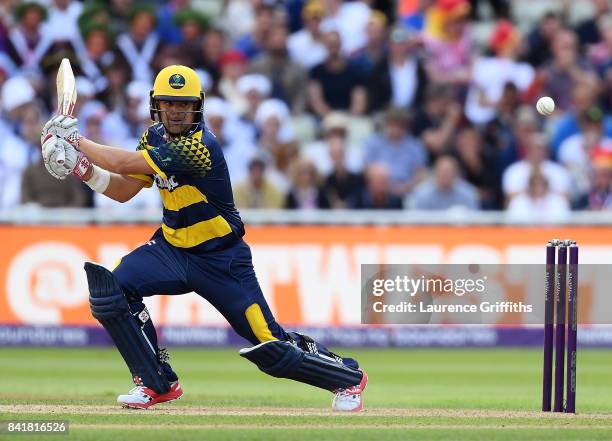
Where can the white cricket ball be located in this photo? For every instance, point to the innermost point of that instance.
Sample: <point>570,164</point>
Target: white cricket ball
<point>545,106</point>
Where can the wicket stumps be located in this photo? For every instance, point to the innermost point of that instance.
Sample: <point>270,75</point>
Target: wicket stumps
<point>561,287</point>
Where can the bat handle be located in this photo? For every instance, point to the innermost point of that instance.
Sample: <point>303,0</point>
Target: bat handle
<point>61,158</point>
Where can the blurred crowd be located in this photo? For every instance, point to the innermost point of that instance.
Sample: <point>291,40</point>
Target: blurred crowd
<point>326,104</point>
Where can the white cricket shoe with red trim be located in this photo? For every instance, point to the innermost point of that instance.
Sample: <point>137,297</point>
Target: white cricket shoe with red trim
<point>141,397</point>
<point>350,399</point>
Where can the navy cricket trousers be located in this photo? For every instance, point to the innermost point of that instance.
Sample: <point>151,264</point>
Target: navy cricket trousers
<point>225,278</point>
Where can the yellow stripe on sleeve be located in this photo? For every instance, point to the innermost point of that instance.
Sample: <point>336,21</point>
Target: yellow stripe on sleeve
<point>258,323</point>
<point>197,233</point>
<point>152,163</point>
<point>181,197</point>
<point>145,178</point>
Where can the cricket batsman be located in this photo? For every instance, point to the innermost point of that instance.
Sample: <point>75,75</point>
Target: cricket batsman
<point>199,248</point>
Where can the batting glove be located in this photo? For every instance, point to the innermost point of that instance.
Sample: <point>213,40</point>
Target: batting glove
<point>74,162</point>
<point>62,126</point>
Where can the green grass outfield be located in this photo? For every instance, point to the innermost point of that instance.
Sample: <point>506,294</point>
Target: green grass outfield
<point>413,394</point>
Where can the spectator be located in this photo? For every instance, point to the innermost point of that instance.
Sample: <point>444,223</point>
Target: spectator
<point>509,103</point>
<point>600,53</point>
<point>539,40</point>
<point>238,17</point>
<point>437,120</point>
<point>273,123</point>
<point>85,92</point>
<point>237,147</point>
<point>257,191</point>
<point>275,140</point>
<point>167,28</point>
<point>306,45</point>
<point>479,164</point>
<point>377,194</point>
<point>253,43</point>
<point>445,190</point>
<point>375,50</point>
<point>17,151</point>
<point>254,89</point>
<point>507,131</point>
<point>17,94</point>
<point>121,14</point>
<point>61,24</point>
<point>293,10</point>
<point>525,125</point>
<point>92,117</point>
<point>491,74</point>
<point>334,129</point>
<point>600,196</point>
<point>501,8</point>
<point>124,125</point>
<point>233,66</point>
<point>336,84</point>
<point>515,179</point>
<point>305,192</point>
<point>287,77</point>
<point>39,188</point>
<point>350,20</point>
<point>404,155</point>
<point>449,43</point>
<point>538,203</point>
<point>400,78</point>
<point>584,97</point>
<point>99,55</point>
<point>96,14</point>
<point>340,184</point>
<point>193,24</point>
<point>7,68</point>
<point>116,75</point>
<point>588,31</point>
<point>565,71</point>
<point>26,40</point>
<point>209,59</point>
<point>139,45</point>
<point>575,152</point>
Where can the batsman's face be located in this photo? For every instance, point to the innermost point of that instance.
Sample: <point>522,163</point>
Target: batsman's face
<point>177,116</point>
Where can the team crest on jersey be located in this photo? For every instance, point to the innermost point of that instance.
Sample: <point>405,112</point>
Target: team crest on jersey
<point>169,183</point>
<point>177,81</point>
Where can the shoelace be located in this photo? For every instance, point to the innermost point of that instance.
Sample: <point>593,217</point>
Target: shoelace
<point>348,392</point>
<point>138,390</point>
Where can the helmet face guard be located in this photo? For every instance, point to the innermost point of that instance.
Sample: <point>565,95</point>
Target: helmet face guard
<point>198,111</point>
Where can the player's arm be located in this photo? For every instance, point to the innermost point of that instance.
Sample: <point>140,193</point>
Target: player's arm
<point>123,188</point>
<point>116,160</point>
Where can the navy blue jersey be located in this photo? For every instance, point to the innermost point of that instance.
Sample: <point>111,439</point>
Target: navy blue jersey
<point>192,177</point>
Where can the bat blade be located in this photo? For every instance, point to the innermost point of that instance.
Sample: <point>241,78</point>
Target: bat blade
<point>66,94</point>
<point>66,89</point>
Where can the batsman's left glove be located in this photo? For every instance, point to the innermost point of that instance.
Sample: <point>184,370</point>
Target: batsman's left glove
<point>62,126</point>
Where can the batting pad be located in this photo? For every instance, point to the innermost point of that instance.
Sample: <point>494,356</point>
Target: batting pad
<point>281,359</point>
<point>110,307</point>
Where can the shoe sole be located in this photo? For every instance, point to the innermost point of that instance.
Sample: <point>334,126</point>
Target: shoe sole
<point>135,406</point>
<point>146,406</point>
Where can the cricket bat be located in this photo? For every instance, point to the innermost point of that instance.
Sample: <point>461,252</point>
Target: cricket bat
<point>66,94</point>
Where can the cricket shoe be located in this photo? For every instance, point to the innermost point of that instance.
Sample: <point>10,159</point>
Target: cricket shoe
<point>350,399</point>
<point>141,397</point>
